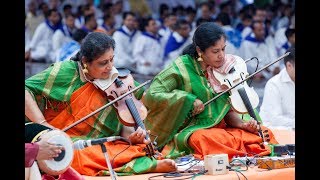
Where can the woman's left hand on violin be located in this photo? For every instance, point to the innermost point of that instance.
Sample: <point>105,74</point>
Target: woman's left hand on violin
<point>138,137</point>
<point>251,126</point>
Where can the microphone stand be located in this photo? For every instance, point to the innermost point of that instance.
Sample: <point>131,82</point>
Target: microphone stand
<point>112,173</point>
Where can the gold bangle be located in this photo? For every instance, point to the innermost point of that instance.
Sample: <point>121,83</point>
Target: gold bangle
<point>42,121</point>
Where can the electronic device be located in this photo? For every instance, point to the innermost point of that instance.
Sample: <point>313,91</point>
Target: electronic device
<point>216,164</point>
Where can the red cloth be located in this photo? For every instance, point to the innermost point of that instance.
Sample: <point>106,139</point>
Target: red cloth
<point>31,152</point>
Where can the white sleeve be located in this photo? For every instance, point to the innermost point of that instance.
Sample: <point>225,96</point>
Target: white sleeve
<point>271,110</point>
<point>37,36</point>
<point>138,50</point>
<point>245,53</point>
<point>57,40</point>
<point>121,49</point>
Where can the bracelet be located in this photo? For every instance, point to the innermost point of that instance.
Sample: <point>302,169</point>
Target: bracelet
<point>42,121</point>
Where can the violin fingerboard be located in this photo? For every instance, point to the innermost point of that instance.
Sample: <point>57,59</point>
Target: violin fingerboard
<point>135,114</point>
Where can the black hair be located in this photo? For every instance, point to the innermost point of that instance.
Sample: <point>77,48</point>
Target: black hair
<point>51,11</point>
<point>190,10</point>
<point>224,18</point>
<point>289,32</point>
<point>33,129</point>
<point>68,15</point>
<point>207,34</point>
<point>88,17</point>
<point>202,20</point>
<point>79,34</point>
<point>180,22</point>
<point>209,5</point>
<point>224,5</point>
<point>67,6</point>
<point>163,8</point>
<point>145,22</point>
<point>94,45</point>
<point>291,57</point>
<point>127,13</point>
<point>247,16</point>
<point>106,16</point>
<point>106,7</point>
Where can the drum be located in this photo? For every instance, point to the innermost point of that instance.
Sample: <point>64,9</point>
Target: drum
<point>59,164</point>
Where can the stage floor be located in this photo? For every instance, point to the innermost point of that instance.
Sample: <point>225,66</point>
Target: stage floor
<point>254,173</point>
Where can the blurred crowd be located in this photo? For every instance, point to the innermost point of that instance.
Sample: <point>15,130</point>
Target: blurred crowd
<point>150,34</point>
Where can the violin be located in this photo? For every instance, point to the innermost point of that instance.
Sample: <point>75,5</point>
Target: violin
<point>131,111</point>
<point>236,84</point>
<point>129,108</point>
<point>243,98</point>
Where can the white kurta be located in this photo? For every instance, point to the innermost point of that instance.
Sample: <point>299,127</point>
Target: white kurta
<point>147,49</point>
<point>123,50</point>
<point>41,43</point>
<point>278,106</point>
<point>265,51</point>
<point>27,39</point>
<point>59,38</point>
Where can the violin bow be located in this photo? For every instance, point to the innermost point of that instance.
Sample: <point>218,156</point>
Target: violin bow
<point>106,105</point>
<point>278,59</point>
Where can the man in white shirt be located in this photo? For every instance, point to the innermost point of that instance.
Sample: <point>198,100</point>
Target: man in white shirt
<point>64,35</point>
<point>40,48</point>
<point>177,41</point>
<point>258,45</point>
<point>234,37</point>
<point>148,49</point>
<point>167,27</point>
<point>278,106</point>
<point>125,38</point>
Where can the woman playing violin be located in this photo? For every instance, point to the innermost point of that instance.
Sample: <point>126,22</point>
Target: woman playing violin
<point>176,100</point>
<point>67,91</point>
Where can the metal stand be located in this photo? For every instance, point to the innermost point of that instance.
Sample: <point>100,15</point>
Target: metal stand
<point>112,173</point>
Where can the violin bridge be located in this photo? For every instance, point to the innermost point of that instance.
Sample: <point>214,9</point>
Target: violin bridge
<point>236,80</point>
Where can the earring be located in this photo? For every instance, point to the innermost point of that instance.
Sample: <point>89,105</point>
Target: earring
<point>85,70</point>
<point>199,58</point>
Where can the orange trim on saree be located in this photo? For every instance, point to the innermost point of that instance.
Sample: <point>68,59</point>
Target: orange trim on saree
<point>82,102</point>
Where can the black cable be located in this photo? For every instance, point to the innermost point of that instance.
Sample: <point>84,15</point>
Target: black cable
<point>171,175</point>
<point>127,140</point>
<point>251,79</point>
<point>188,162</point>
<point>193,164</point>
<point>232,164</point>
<point>242,174</point>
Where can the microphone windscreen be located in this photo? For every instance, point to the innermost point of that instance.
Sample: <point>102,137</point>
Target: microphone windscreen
<point>79,145</point>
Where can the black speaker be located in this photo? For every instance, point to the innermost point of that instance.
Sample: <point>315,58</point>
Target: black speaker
<point>291,149</point>
<point>280,150</point>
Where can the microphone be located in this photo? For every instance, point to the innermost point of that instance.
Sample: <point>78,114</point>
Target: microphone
<point>81,144</point>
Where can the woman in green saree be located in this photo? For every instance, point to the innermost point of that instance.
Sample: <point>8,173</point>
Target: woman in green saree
<point>177,114</point>
<point>69,90</point>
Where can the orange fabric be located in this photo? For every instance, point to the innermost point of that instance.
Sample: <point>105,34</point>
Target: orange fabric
<point>232,141</point>
<point>83,101</point>
<point>90,160</point>
<point>86,163</point>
